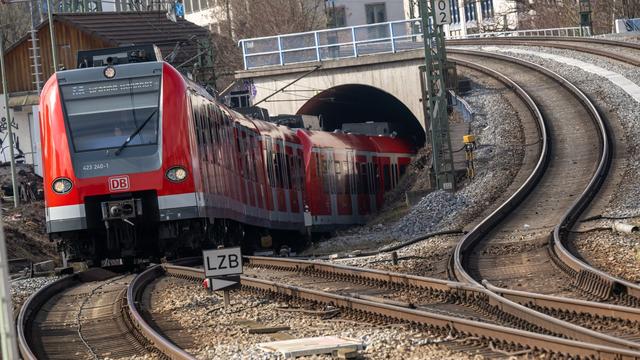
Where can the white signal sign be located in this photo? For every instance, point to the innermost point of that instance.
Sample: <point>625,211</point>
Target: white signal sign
<point>442,12</point>
<point>222,262</point>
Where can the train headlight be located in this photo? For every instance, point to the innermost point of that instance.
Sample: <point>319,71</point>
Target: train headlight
<point>176,174</point>
<point>109,72</point>
<point>62,185</point>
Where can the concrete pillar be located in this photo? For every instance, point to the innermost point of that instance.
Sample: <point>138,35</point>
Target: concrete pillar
<point>479,18</point>
<point>463,18</point>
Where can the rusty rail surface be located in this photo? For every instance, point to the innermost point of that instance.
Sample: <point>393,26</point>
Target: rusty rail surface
<point>373,309</point>
<point>586,40</point>
<point>510,302</point>
<point>588,278</point>
<point>34,303</point>
<point>559,43</point>
<point>134,292</point>
<point>31,307</point>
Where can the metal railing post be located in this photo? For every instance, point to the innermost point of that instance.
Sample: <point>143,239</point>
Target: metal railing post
<point>393,40</point>
<point>353,39</point>
<point>280,50</point>
<point>244,55</point>
<point>317,46</point>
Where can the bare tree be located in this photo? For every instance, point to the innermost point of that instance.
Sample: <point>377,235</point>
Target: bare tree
<point>565,13</point>
<point>248,18</point>
<point>14,21</point>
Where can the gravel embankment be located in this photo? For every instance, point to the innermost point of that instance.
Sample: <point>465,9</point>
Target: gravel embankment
<point>498,158</point>
<point>611,252</point>
<point>222,333</point>
<point>22,289</point>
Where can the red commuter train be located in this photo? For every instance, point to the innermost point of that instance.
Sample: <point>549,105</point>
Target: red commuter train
<point>141,162</point>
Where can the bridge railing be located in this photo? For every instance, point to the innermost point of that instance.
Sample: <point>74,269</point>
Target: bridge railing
<point>354,41</point>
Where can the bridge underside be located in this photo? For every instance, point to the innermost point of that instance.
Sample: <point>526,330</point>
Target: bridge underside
<point>355,103</point>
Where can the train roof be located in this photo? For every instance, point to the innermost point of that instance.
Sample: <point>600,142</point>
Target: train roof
<point>336,140</point>
<point>339,140</point>
<point>387,144</point>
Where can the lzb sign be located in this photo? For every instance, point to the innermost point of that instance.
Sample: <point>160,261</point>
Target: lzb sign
<point>222,262</point>
<point>442,12</point>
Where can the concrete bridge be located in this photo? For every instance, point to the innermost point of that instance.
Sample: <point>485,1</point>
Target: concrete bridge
<point>384,87</point>
<point>356,74</point>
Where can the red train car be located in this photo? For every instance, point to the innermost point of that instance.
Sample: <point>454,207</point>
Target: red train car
<point>139,161</point>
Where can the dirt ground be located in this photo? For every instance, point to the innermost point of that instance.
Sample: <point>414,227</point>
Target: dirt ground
<point>24,227</point>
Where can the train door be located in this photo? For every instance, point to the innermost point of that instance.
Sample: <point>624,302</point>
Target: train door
<point>363,185</point>
<point>353,181</point>
<point>292,165</point>
<point>327,169</point>
<point>301,179</point>
<point>245,166</point>
<point>272,198</point>
<point>281,178</point>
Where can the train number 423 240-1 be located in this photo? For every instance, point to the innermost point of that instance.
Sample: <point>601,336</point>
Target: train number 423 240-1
<point>95,166</point>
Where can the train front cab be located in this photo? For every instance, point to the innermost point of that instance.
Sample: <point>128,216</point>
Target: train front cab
<point>115,191</point>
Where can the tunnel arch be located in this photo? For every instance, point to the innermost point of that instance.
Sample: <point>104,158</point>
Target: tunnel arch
<point>355,103</point>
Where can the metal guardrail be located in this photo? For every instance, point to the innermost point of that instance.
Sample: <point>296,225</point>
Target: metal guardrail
<point>355,41</point>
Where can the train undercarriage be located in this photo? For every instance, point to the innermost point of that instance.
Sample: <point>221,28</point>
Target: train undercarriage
<point>124,230</point>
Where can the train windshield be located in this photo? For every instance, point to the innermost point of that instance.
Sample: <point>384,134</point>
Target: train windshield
<point>103,114</point>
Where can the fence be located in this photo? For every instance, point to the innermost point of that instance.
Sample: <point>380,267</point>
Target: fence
<point>354,41</point>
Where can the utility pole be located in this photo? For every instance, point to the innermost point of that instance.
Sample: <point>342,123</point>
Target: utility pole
<point>7,324</point>
<point>436,13</point>
<point>5,90</point>
<point>54,50</point>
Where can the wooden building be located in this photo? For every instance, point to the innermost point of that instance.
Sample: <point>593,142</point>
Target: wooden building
<point>86,31</point>
<point>83,31</point>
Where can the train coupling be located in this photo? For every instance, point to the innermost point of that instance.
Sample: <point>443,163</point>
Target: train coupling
<point>121,209</point>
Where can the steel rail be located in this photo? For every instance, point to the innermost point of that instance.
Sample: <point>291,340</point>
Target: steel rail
<point>419,317</point>
<point>589,278</point>
<point>570,216</point>
<point>134,292</point>
<point>35,301</point>
<point>31,307</point>
<point>464,290</point>
<point>624,44</point>
<point>552,43</point>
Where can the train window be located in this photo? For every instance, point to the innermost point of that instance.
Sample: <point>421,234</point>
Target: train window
<point>363,187</point>
<point>287,171</point>
<point>346,178</point>
<point>303,175</point>
<point>276,170</point>
<point>403,169</point>
<point>376,178</point>
<point>387,177</point>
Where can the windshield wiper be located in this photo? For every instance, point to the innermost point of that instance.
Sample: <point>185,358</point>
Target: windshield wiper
<point>126,142</point>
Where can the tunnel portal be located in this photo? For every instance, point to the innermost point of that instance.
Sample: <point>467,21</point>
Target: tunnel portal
<point>355,103</point>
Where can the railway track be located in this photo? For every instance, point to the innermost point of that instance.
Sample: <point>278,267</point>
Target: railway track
<point>83,316</point>
<point>90,315</point>
<point>536,259</point>
<point>617,50</point>
<point>374,310</point>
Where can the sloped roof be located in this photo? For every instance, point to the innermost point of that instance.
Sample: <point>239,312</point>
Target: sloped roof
<point>137,28</point>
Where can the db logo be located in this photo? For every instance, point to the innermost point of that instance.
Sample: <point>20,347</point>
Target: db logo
<point>119,183</point>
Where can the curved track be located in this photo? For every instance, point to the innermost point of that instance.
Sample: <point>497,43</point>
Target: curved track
<point>367,310</point>
<point>617,50</point>
<point>83,316</point>
<point>520,246</point>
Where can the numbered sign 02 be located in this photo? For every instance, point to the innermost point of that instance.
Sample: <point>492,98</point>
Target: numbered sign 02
<point>442,12</point>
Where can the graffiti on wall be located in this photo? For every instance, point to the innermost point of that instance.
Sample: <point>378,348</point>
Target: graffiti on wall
<point>4,141</point>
